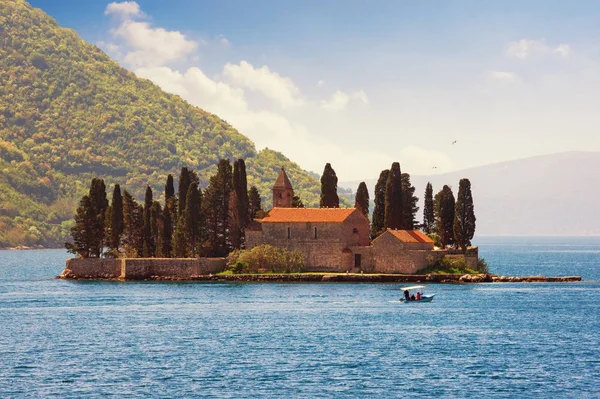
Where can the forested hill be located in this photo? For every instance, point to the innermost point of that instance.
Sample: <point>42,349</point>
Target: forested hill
<point>69,113</point>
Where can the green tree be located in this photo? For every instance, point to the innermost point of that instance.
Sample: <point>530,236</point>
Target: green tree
<point>180,241</point>
<point>149,244</point>
<point>445,218</point>
<point>361,201</point>
<point>157,228</point>
<point>98,203</point>
<point>116,217</point>
<point>329,196</point>
<point>83,230</point>
<point>393,199</point>
<point>167,235</point>
<point>254,202</point>
<point>464,216</point>
<point>193,219</point>
<point>378,221</point>
<point>240,204</point>
<point>409,204</point>
<point>216,209</point>
<point>186,177</point>
<point>428,213</point>
<point>133,218</point>
<point>297,202</point>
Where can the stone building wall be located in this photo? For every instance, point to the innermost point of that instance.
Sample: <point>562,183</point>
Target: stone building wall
<point>392,256</point>
<point>93,268</point>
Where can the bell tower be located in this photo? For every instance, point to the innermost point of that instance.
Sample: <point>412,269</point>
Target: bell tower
<point>283,192</point>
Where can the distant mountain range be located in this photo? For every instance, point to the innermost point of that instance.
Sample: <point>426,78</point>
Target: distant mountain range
<point>548,195</point>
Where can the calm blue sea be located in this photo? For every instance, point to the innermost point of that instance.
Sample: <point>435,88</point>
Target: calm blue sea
<point>65,339</point>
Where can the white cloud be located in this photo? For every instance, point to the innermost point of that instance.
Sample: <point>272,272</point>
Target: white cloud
<point>320,83</point>
<point>525,48</point>
<point>124,9</point>
<point>223,40</point>
<point>562,50</point>
<point>279,89</point>
<point>340,100</point>
<point>507,77</point>
<point>420,161</point>
<point>148,46</point>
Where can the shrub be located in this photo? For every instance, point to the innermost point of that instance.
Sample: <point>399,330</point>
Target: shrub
<point>437,241</point>
<point>265,258</point>
<point>482,266</point>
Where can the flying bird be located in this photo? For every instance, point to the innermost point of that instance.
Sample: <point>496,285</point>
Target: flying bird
<point>435,167</point>
<point>454,142</point>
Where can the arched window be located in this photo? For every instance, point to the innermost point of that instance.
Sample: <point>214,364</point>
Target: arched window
<point>289,233</point>
<point>315,233</point>
<point>355,230</point>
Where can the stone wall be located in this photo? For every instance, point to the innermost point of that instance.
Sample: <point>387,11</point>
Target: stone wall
<point>141,268</point>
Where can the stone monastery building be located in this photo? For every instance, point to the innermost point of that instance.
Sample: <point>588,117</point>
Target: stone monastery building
<point>337,239</point>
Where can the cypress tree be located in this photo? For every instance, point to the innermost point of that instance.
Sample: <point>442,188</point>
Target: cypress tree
<point>254,202</point>
<point>216,209</point>
<point>464,216</point>
<point>184,184</point>
<point>98,205</point>
<point>116,219</point>
<point>240,213</point>
<point>83,230</point>
<point>171,210</point>
<point>361,202</point>
<point>156,226</point>
<point>409,204</point>
<point>167,235</point>
<point>297,202</point>
<point>180,243</point>
<point>133,226</point>
<point>329,196</point>
<point>193,219</point>
<point>445,199</point>
<point>149,244</point>
<point>428,214</point>
<point>169,188</point>
<point>378,221</point>
<point>393,199</point>
<point>234,220</point>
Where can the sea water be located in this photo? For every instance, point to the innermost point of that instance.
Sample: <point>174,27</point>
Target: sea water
<point>78,339</point>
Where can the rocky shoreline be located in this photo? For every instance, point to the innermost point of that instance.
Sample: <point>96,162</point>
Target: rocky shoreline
<point>353,278</point>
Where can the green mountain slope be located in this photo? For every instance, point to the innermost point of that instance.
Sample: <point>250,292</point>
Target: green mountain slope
<point>68,113</point>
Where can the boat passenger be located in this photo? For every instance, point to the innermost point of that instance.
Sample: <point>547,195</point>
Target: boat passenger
<point>412,297</point>
<point>406,295</point>
<point>418,296</point>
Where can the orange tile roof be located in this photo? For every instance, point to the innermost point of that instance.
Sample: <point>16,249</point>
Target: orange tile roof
<point>412,236</point>
<point>308,215</point>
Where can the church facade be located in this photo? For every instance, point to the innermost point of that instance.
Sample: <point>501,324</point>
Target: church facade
<point>337,239</point>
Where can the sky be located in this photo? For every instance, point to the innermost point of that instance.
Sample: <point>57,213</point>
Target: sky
<point>437,86</point>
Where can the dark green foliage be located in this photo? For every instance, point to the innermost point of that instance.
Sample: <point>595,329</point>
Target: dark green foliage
<point>428,214</point>
<point>409,204</point>
<point>464,215</point>
<point>254,202</point>
<point>393,199</point>
<point>193,219</point>
<point>445,215</point>
<point>361,201</point>
<point>297,202</point>
<point>149,243</point>
<point>133,223</point>
<point>98,205</point>
<point>82,232</point>
<point>329,196</point>
<point>180,241</point>
<point>239,204</point>
<point>167,233</point>
<point>69,113</point>
<point>156,227</point>
<point>216,210</point>
<point>169,188</point>
<point>378,221</point>
<point>184,184</point>
<point>116,219</point>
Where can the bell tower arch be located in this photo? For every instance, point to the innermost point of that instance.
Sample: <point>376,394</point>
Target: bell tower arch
<point>283,192</point>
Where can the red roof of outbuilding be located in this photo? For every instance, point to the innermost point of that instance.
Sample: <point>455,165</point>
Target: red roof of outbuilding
<point>308,215</point>
<point>412,236</point>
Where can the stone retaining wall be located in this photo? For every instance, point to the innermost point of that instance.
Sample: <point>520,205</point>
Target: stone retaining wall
<point>141,268</point>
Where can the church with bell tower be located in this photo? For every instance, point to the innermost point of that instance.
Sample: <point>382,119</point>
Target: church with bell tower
<point>283,192</point>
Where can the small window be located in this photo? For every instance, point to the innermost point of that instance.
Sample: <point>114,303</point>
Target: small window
<point>357,260</point>
<point>315,233</point>
<point>289,233</point>
<point>355,230</point>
